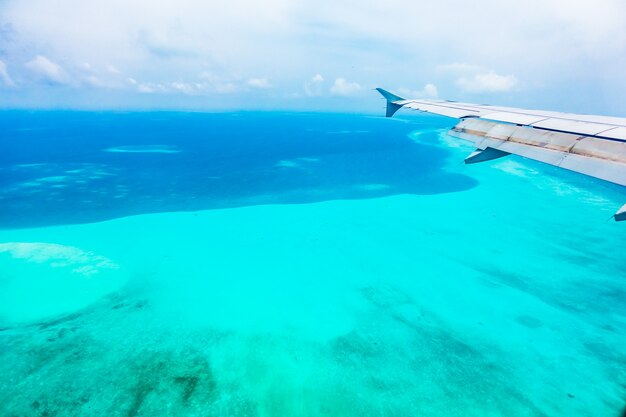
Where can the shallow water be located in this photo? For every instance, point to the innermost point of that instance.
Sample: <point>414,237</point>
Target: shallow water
<point>299,265</point>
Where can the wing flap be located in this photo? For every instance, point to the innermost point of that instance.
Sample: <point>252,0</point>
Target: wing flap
<point>601,149</point>
<point>561,142</point>
<point>603,169</point>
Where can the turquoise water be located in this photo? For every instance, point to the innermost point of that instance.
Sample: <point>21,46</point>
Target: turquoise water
<point>273,264</point>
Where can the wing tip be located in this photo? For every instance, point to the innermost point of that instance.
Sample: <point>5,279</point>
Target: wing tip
<point>391,98</point>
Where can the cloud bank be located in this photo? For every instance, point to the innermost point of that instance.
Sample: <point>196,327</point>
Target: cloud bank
<point>195,54</point>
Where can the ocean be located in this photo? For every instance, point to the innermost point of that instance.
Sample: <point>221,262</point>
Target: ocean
<point>299,264</point>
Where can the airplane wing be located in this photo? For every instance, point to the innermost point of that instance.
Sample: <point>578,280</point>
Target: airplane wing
<point>591,145</point>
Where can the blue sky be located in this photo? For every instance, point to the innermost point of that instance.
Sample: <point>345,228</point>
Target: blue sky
<point>564,55</point>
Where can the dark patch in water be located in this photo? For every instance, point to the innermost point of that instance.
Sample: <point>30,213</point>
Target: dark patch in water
<point>57,347</point>
<point>59,335</point>
<point>528,321</point>
<point>140,393</point>
<point>609,328</point>
<point>608,353</point>
<point>65,370</point>
<point>418,356</point>
<point>60,320</point>
<point>189,384</point>
<point>493,275</point>
<point>385,297</point>
<point>355,347</point>
<point>162,378</point>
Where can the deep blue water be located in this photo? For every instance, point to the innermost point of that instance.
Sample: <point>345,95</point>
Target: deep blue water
<point>59,168</point>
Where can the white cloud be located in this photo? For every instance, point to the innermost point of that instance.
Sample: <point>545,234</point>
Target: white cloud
<point>4,75</point>
<point>185,88</point>
<point>112,69</point>
<point>83,74</point>
<point>48,70</point>
<point>429,91</point>
<point>174,87</point>
<point>478,79</point>
<point>205,84</point>
<point>259,83</point>
<point>345,88</point>
<point>313,87</point>
<point>227,88</point>
<point>459,68</point>
<point>144,88</point>
<point>219,84</point>
<point>488,82</point>
<point>94,81</point>
<point>151,88</point>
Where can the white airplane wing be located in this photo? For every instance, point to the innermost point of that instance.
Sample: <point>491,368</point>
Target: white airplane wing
<point>591,145</point>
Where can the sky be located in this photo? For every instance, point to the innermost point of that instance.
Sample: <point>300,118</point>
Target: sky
<point>566,55</point>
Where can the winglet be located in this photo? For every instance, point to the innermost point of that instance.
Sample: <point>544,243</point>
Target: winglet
<point>391,98</point>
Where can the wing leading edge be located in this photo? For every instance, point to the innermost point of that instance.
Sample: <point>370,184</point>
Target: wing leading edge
<point>590,145</point>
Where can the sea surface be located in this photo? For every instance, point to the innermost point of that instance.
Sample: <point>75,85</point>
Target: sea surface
<point>299,264</point>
